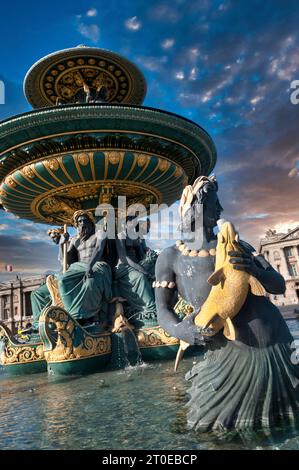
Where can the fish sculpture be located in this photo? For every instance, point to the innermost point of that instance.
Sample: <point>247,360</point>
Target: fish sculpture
<point>229,291</point>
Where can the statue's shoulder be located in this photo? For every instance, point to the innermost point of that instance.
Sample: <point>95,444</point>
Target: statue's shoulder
<point>75,241</point>
<point>168,254</point>
<point>168,251</point>
<point>165,261</point>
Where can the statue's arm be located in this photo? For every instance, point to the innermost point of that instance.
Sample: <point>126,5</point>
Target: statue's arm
<point>167,318</point>
<point>142,248</point>
<point>139,251</point>
<point>258,267</point>
<point>122,254</point>
<point>272,280</point>
<point>72,254</point>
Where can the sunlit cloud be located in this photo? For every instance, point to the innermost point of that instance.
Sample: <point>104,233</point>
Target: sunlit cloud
<point>133,24</point>
<point>180,75</point>
<point>193,73</point>
<point>256,100</point>
<point>294,172</point>
<point>90,31</point>
<point>92,12</point>
<point>167,43</point>
<point>152,63</point>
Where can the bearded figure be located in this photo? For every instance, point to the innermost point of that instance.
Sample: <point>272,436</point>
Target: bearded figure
<point>86,287</point>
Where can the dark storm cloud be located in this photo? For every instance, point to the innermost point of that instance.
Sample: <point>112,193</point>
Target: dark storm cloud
<point>27,255</point>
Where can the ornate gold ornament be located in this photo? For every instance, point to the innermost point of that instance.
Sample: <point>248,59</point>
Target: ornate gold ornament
<point>52,285</point>
<point>59,208</point>
<point>142,159</point>
<point>9,181</point>
<point>83,157</point>
<point>114,156</point>
<point>178,171</point>
<point>51,164</point>
<point>164,164</point>
<point>28,171</point>
<point>155,336</point>
<point>64,348</point>
<point>17,353</point>
<point>183,307</point>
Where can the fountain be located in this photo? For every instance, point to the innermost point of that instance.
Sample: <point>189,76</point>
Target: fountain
<point>88,141</point>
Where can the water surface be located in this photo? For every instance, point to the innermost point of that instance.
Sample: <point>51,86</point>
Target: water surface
<point>139,408</point>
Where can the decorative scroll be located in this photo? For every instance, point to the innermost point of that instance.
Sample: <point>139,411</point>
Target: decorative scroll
<point>155,336</point>
<point>65,339</point>
<point>18,353</point>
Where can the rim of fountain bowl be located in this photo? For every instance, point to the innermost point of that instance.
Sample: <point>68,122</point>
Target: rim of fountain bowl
<point>19,123</point>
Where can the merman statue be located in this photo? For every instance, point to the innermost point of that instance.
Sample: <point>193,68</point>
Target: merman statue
<point>250,380</point>
<point>86,287</point>
<point>132,279</point>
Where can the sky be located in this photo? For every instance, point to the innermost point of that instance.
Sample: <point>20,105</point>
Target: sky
<point>227,65</point>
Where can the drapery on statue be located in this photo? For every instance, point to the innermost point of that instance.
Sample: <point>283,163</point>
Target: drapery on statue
<point>132,279</point>
<point>86,287</point>
<point>246,383</point>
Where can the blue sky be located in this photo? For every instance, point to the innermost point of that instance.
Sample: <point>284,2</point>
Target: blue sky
<point>227,65</point>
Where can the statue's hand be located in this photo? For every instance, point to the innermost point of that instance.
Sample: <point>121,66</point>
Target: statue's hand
<point>187,331</point>
<point>66,237</point>
<point>243,262</point>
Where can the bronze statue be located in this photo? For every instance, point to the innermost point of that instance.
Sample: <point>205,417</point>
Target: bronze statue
<point>86,287</point>
<point>249,382</point>
<point>132,279</point>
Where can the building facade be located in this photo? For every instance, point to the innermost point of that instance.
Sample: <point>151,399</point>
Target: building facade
<point>15,304</point>
<point>282,252</point>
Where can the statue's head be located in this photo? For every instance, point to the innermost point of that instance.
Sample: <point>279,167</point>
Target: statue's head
<point>84,223</point>
<point>201,201</point>
<point>55,234</point>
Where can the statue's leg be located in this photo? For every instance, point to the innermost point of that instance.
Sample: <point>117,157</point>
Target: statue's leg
<point>40,298</point>
<point>135,287</point>
<point>85,298</point>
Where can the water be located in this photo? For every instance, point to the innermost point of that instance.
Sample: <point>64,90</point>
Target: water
<point>139,408</point>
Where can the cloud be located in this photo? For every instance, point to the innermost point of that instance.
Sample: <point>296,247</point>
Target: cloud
<point>152,63</point>
<point>193,73</point>
<point>180,75</point>
<point>285,64</point>
<point>27,255</point>
<point>90,31</point>
<point>92,12</point>
<point>133,24</point>
<point>293,172</point>
<point>164,12</point>
<point>168,43</point>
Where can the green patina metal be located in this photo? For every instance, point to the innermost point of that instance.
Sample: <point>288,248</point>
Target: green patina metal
<point>75,151</point>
